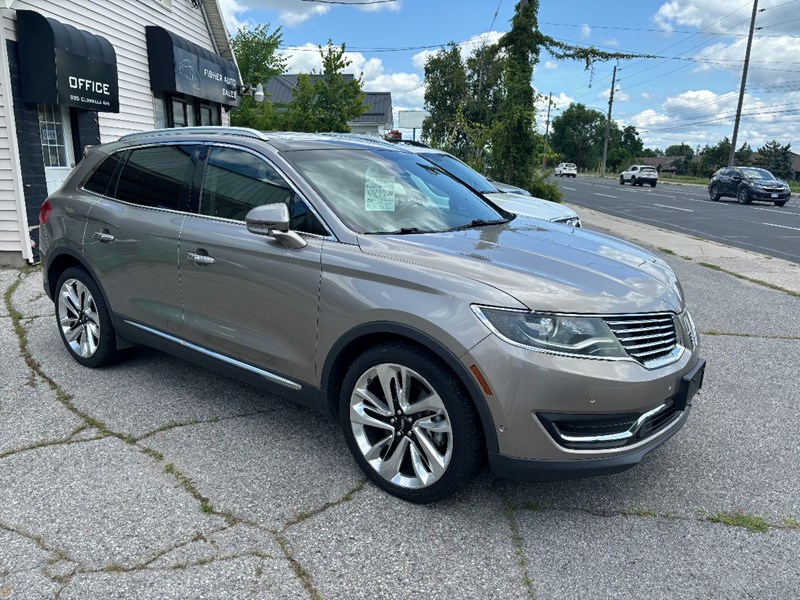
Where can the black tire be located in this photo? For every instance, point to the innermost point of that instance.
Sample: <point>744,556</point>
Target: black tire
<point>106,347</point>
<point>621,180</point>
<point>743,196</point>
<point>466,438</point>
<point>780,202</point>
<point>713,193</point>
<point>574,176</point>
<point>653,184</point>
<point>633,181</point>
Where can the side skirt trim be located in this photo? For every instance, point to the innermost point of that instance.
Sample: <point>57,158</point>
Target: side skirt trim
<point>221,357</point>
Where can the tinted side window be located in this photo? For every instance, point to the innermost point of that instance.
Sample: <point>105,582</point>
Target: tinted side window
<point>98,182</point>
<point>155,176</point>
<point>236,181</point>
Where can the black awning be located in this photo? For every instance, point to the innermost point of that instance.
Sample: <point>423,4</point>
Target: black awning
<point>178,65</point>
<point>61,64</point>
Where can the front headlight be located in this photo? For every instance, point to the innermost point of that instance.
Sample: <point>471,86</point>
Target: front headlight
<point>585,337</point>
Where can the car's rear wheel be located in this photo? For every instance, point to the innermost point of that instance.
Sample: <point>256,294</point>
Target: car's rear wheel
<point>780,202</point>
<point>653,184</point>
<point>743,195</point>
<point>83,319</point>
<point>621,180</point>
<point>713,193</point>
<point>409,423</point>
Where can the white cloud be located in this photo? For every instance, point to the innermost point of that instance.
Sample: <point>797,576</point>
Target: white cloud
<point>647,95</point>
<point>551,64</point>
<point>768,59</point>
<point>611,42</point>
<point>719,15</point>
<point>292,12</point>
<point>586,31</point>
<point>699,117</point>
<point>406,88</point>
<point>467,47</point>
<point>619,95</point>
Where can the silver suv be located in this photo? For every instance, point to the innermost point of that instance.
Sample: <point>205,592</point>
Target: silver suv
<point>441,330</point>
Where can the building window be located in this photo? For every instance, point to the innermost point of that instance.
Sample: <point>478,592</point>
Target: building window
<point>51,131</point>
<point>209,114</point>
<point>177,110</point>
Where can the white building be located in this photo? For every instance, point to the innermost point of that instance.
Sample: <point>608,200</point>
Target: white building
<point>82,72</point>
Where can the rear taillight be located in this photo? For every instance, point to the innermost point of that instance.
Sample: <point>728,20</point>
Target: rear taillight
<point>44,212</point>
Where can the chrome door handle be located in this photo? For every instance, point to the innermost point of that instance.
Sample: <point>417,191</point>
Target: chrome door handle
<point>200,259</point>
<point>103,236</point>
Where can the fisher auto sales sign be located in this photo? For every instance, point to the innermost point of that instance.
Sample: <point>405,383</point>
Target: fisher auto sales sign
<point>86,83</point>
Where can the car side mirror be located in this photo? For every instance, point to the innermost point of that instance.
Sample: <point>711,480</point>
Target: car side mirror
<point>273,220</point>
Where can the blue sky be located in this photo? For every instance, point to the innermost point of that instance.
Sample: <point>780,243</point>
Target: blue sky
<point>687,96</point>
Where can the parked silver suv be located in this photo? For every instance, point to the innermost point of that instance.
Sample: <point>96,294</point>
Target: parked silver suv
<point>366,282</point>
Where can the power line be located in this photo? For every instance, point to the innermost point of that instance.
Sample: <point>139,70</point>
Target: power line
<point>789,111</point>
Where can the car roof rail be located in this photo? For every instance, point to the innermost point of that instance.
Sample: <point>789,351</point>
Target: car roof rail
<point>242,131</point>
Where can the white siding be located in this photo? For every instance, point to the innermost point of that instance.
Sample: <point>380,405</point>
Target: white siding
<point>122,22</point>
<point>12,205</point>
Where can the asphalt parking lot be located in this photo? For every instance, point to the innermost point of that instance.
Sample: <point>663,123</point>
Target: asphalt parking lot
<point>156,479</point>
<point>759,227</point>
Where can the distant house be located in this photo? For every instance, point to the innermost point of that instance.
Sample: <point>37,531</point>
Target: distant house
<point>663,164</point>
<point>796,166</point>
<point>376,120</point>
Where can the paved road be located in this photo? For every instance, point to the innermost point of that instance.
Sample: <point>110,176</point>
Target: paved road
<point>154,478</point>
<point>759,227</point>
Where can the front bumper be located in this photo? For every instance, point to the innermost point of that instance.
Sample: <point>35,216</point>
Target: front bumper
<point>756,194</point>
<point>529,387</point>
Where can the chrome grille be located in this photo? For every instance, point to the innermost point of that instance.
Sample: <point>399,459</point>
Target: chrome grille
<point>645,337</point>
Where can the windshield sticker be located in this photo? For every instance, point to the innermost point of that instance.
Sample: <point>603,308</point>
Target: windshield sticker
<point>378,190</point>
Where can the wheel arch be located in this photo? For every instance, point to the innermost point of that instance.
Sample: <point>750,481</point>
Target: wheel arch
<point>63,260</point>
<point>358,339</point>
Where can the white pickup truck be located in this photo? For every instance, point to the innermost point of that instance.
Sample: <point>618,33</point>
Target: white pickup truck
<point>566,170</point>
<point>639,175</point>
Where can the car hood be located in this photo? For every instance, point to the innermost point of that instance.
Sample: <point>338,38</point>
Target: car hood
<point>528,206</point>
<point>767,182</point>
<point>546,267</point>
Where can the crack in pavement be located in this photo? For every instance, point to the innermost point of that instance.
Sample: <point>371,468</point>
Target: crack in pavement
<point>47,444</point>
<point>184,480</point>
<point>177,424</point>
<point>751,335</point>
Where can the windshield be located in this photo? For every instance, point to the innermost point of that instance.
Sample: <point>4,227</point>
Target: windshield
<point>385,191</point>
<point>461,171</point>
<point>752,173</point>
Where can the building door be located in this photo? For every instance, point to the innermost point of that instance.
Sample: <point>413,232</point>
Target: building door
<point>57,150</point>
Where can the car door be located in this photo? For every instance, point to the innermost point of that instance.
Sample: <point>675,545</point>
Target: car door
<point>734,178</point>
<point>246,296</point>
<point>132,233</point>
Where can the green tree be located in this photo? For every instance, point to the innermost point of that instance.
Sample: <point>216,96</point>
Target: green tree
<point>328,101</point>
<point>445,96</point>
<point>257,55</point>
<point>714,157</point>
<point>577,135</point>
<point>744,155</point>
<point>684,150</point>
<point>776,158</point>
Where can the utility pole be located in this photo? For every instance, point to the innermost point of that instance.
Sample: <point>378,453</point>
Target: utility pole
<point>547,130</point>
<point>608,122</point>
<point>732,155</point>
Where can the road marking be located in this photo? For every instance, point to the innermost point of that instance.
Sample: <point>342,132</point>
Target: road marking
<point>605,195</point>
<point>782,226</point>
<point>569,188</point>
<point>673,207</point>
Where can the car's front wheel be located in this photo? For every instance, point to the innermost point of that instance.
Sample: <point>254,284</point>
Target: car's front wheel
<point>409,423</point>
<point>743,195</point>
<point>83,319</point>
<point>621,180</point>
<point>713,193</point>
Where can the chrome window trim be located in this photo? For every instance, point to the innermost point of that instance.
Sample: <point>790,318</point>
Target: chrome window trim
<point>674,356</point>
<point>221,357</point>
<point>125,202</point>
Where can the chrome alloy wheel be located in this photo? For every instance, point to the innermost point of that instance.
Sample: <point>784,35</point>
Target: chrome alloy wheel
<point>78,318</point>
<point>401,426</point>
